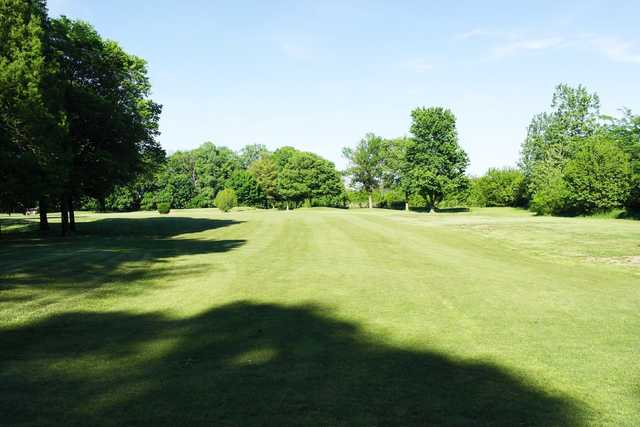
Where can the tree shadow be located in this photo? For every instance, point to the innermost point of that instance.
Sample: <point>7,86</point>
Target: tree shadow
<point>126,251</point>
<point>250,364</point>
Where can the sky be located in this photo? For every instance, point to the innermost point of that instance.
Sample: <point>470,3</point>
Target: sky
<point>319,75</point>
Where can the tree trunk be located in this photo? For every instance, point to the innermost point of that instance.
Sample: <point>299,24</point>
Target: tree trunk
<point>101,204</point>
<point>72,216</point>
<point>64,216</point>
<point>370,201</point>
<point>44,221</point>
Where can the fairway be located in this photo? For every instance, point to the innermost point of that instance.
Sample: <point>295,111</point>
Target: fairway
<point>321,317</point>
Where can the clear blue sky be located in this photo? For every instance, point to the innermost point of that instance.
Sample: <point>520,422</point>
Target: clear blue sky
<point>318,75</point>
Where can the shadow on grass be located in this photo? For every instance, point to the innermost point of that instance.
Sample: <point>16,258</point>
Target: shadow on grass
<point>249,364</point>
<point>124,251</point>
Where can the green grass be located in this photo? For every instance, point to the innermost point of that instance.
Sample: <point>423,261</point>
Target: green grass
<point>321,317</point>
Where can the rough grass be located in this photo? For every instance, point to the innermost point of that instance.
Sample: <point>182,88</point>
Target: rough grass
<point>321,317</point>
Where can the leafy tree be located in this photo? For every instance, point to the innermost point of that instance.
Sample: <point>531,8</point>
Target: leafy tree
<point>552,136</point>
<point>366,163</point>
<point>30,130</point>
<point>626,132</point>
<point>291,185</point>
<point>597,177</point>
<point>266,174</point>
<point>247,188</point>
<point>111,122</point>
<point>394,152</point>
<point>434,162</point>
<point>499,187</point>
<point>226,200</point>
<point>251,153</point>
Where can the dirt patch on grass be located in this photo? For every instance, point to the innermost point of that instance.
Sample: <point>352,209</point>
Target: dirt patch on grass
<point>618,260</point>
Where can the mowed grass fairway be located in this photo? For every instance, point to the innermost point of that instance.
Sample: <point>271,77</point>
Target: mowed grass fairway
<point>321,317</point>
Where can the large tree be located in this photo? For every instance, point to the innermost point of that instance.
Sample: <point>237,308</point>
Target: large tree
<point>434,162</point>
<point>30,129</point>
<point>366,163</point>
<point>552,136</point>
<point>112,124</point>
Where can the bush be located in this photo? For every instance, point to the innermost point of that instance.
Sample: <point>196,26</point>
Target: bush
<point>499,187</point>
<point>148,202</point>
<point>598,177</point>
<point>551,199</point>
<point>204,199</point>
<point>226,200</point>
<point>164,207</point>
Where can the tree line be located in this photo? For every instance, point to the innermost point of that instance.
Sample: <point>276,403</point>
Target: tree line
<point>285,178</point>
<point>574,161</point>
<point>78,129</point>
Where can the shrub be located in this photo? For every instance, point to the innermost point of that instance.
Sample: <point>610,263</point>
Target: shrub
<point>499,187</point>
<point>148,202</point>
<point>226,200</point>
<point>164,207</point>
<point>204,199</point>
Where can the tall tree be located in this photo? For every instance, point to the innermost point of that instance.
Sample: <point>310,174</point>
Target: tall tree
<point>434,163</point>
<point>112,123</point>
<point>29,120</point>
<point>366,163</point>
<point>551,136</point>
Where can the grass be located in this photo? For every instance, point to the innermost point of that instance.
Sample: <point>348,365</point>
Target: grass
<point>321,317</point>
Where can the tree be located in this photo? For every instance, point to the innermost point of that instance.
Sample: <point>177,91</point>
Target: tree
<point>251,153</point>
<point>394,153</point>
<point>30,129</point>
<point>291,184</point>
<point>625,132</point>
<point>111,122</point>
<point>597,177</point>
<point>434,163</point>
<point>366,163</point>
<point>552,136</point>
<point>266,174</point>
<point>247,188</point>
<point>226,200</point>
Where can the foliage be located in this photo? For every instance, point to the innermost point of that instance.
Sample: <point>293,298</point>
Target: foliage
<point>252,153</point>
<point>499,187</point>
<point>626,132</point>
<point>365,163</point>
<point>551,195</point>
<point>307,176</point>
<point>597,177</point>
<point>30,155</point>
<point>434,162</point>
<point>226,200</point>
<point>164,207</point>
<point>551,136</point>
<point>266,174</point>
<point>247,188</point>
